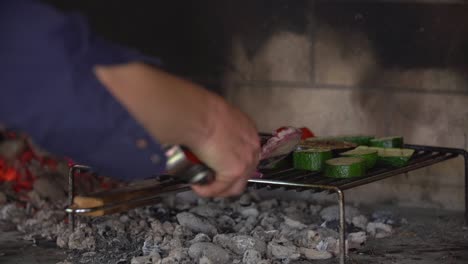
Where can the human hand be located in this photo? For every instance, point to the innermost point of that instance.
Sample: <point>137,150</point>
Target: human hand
<point>179,112</point>
<point>231,149</point>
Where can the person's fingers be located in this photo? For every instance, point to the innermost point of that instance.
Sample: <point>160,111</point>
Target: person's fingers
<point>213,189</point>
<point>235,189</point>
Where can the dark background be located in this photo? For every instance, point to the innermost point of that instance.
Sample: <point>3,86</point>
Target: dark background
<point>193,37</point>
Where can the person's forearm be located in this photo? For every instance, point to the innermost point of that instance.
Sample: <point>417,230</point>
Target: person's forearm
<point>140,88</point>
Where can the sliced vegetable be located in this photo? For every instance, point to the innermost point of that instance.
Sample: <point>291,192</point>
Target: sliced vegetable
<point>387,142</point>
<point>358,139</point>
<point>368,155</point>
<point>334,146</point>
<point>395,157</point>
<point>355,139</point>
<point>346,167</point>
<point>311,159</point>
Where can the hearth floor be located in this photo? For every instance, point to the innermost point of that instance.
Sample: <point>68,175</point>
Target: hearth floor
<point>430,237</point>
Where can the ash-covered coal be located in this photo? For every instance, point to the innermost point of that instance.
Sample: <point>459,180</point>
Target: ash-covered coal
<point>245,230</point>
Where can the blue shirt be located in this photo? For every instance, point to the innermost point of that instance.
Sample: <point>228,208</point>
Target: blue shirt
<point>48,90</point>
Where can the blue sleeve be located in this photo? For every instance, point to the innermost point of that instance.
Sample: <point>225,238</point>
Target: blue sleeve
<point>48,90</point>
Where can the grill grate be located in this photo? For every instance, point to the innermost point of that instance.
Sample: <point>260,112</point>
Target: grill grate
<point>300,180</point>
<point>423,156</point>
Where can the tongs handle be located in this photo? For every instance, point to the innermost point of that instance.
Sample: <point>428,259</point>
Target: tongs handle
<point>183,164</point>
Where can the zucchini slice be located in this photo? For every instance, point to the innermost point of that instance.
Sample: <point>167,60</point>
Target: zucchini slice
<point>355,139</point>
<point>311,159</point>
<point>368,155</point>
<point>387,142</point>
<point>346,167</point>
<point>395,157</point>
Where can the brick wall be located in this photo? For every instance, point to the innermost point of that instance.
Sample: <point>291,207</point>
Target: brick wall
<point>392,69</point>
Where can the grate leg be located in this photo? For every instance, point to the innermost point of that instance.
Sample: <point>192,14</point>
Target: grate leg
<point>342,238</point>
<point>71,195</point>
<point>465,155</point>
<point>71,191</point>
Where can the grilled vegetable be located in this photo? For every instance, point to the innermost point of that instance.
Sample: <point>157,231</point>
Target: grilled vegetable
<point>395,157</point>
<point>311,159</point>
<point>355,139</point>
<point>359,140</point>
<point>387,142</point>
<point>346,167</point>
<point>368,155</point>
<point>334,146</point>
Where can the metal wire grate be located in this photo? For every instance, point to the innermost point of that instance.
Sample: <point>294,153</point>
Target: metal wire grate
<point>300,180</point>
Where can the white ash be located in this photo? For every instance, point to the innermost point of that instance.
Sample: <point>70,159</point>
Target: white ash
<point>245,230</point>
<point>379,230</point>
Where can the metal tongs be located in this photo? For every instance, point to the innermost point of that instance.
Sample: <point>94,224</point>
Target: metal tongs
<point>183,170</point>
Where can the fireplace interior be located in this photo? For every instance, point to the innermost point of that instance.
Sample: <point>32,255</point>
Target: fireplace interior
<point>383,68</point>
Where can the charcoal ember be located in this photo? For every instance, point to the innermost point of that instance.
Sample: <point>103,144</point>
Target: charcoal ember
<point>3,198</point>
<point>239,244</point>
<point>297,210</point>
<point>356,240</point>
<point>82,238</point>
<point>43,223</point>
<point>207,210</point>
<point>245,199</point>
<point>178,255</point>
<point>182,232</point>
<point>360,221</point>
<point>6,226</point>
<point>151,245</point>
<point>267,205</point>
<point>384,216</point>
<point>11,149</point>
<point>109,228</point>
<point>293,223</point>
<point>307,239</point>
<point>136,228</point>
<point>329,244</point>
<point>225,223</point>
<point>124,219</point>
<point>314,254</point>
<point>13,213</point>
<point>35,200</point>
<point>49,188</point>
<point>212,252</point>
<point>315,209</point>
<point>172,260</point>
<point>335,225</point>
<point>264,235</point>
<point>269,221</point>
<point>331,213</point>
<point>63,235</point>
<point>251,256</point>
<point>379,230</point>
<point>169,243</point>
<point>168,228</point>
<point>196,223</point>
<point>288,233</point>
<point>157,228</point>
<point>282,252</point>
<point>248,211</point>
<point>223,240</point>
<point>200,237</point>
<point>152,259</point>
<point>246,226</point>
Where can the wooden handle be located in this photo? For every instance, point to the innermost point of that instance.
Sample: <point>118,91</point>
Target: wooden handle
<point>119,197</point>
